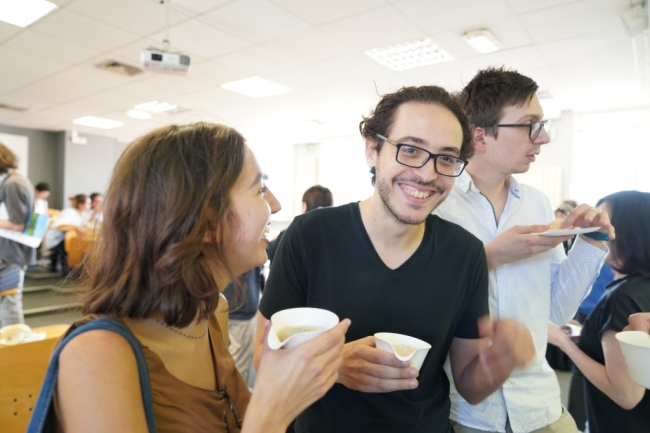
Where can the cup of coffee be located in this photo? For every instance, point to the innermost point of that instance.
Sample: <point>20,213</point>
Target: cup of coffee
<point>291,327</point>
<point>405,348</point>
<point>14,334</point>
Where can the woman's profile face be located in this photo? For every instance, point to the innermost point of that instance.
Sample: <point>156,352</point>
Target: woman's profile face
<point>252,205</point>
<point>84,206</point>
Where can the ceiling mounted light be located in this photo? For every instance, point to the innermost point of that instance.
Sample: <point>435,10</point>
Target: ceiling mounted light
<point>22,13</point>
<point>410,54</point>
<point>256,87</point>
<point>156,107</point>
<point>98,122</point>
<point>138,114</point>
<point>482,41</point>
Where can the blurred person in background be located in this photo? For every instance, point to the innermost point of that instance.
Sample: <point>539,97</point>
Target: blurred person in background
<point>561,213</point>
<point>16,202</point>
<point>614,402</point>
<point>241,318</point>
<point>315,197</point>
<point>95,216</point>
<point>69,219</point>
<point>40,198</point>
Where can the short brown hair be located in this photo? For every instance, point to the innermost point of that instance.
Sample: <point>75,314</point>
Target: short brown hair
<point>169,188</point>
<point>381,119</point>
<point>317,196</point>
<point>8,159</point>
<point>490,91</point>
<point>78,200</point>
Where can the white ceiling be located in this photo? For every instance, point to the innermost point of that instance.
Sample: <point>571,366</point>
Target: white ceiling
<point>578,51</point>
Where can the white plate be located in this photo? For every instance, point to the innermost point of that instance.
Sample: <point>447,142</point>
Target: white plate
<point>569,231</point>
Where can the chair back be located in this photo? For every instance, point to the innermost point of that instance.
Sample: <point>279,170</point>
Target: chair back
<point>22,370</point>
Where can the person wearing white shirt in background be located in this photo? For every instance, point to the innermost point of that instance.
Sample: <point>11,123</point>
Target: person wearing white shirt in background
<point>69,219</point>
<point>95,216</point>
<point>531,279</point>
<point>41,193</point>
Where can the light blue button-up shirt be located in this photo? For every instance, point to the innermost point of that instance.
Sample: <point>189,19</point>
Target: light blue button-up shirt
<point>546,287</point>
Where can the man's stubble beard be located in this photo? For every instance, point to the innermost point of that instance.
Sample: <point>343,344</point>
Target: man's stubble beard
<point>384,193</point>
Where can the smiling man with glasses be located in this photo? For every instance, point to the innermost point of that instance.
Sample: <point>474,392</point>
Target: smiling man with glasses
<point>391,266</point>
<point>531,278</point>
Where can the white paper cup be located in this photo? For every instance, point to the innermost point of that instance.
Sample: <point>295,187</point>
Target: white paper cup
<point>299,317</point>
<point>635,346</point>
<point>387,341</point>
<point>14,334</point>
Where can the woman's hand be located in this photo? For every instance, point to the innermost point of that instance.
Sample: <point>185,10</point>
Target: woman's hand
<point>557,336</point>
<point>638,322</point>
<point>290,380</point>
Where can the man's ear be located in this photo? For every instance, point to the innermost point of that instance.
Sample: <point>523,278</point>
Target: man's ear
<point>478,139</point>
<point>371,152</point>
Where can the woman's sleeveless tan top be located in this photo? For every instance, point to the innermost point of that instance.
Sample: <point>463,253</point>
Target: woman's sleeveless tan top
<point>180,407</point>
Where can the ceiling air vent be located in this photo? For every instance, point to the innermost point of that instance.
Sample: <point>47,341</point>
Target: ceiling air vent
<point>12,107</point>
<point>119,68</point>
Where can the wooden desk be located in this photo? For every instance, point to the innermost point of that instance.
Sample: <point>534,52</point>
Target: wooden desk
<point>22,371</point>
<point>77,246</point>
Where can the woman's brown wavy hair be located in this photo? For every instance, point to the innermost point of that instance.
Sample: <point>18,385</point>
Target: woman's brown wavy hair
<point>169,188</point>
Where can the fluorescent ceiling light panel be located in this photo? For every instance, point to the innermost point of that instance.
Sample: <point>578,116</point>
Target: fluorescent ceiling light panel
<point>410,54</point>
<point>482,41</point>
<point>98,122</point>
<point>156,107</point>
<point>139,114</point>
<point>22,13</point>
<point>256,87</point>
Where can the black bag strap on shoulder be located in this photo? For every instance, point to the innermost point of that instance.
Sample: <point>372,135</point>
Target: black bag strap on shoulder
<point>37,424</point>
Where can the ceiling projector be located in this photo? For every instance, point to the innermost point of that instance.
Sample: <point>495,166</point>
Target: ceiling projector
<point>155,60</point>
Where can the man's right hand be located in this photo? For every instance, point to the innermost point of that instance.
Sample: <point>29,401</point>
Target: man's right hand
<point>368,369</point>
<point>520,242</point>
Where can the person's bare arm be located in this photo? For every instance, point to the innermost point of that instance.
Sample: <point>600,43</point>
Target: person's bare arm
<point>613,378</point>
<point>6,224</point>
<point>98,386</point>
<point>479,368</point>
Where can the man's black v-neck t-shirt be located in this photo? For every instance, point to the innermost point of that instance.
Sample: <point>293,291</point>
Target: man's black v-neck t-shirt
<point>326,260</point>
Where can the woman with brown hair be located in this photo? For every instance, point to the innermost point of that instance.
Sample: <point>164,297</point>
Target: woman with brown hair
<point>186,211</point>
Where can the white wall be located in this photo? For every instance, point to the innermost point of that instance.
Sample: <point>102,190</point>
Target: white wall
<point>88,167</point>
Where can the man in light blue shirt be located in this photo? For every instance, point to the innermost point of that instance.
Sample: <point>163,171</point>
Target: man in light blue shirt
<point>531,279</point>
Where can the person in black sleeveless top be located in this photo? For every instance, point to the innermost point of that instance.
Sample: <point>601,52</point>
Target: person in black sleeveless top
<point>614,402</point>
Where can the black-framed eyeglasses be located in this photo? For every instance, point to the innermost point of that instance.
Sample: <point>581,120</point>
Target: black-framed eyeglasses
<point>233,409</point>
<point>534,128</point>
<point>416,157</point>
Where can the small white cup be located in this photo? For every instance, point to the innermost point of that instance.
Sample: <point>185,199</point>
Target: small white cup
<point>304,316</point>
<point>14,334</point>
<point>387,341</point>
<point>635,346</point>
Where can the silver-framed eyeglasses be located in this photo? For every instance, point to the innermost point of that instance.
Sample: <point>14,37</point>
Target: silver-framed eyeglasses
<point>534,128</point>
<point>416,157</point>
